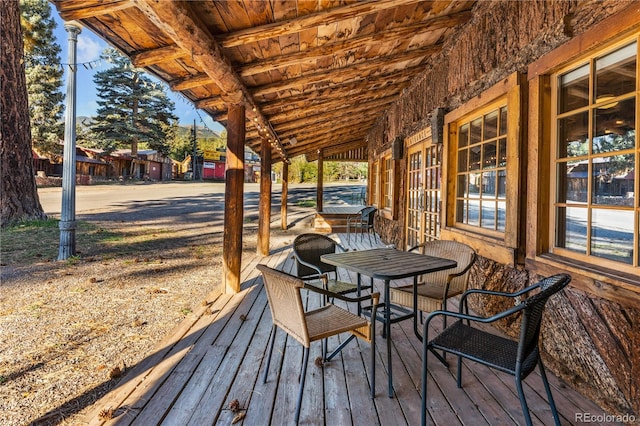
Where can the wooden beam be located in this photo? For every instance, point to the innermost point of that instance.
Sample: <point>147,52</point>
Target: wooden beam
<point>284,195</point>
<point>297,59</point>
<point>295,25</point>
<point>156,56</point>
<point>264,219</point>
<point>176,20</point>
<point>71,11</point>
<point>233,199</point>
<point>212,102</point>
<point>190,82</point>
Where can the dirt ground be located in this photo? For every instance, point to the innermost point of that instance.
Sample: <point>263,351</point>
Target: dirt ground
<point>68,329</point>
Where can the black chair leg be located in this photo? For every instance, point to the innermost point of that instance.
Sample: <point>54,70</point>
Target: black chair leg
<point>425,352</point>
<point>303,375</point>
<point>523,401</point>
<point>547,388</point>
<point>271,341</point>
<point>373,359</point>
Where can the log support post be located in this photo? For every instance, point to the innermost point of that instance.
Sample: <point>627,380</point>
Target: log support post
<point>233,199</point>
<point>284,195</point>
<point>264,220</point>
<point>320,189</point>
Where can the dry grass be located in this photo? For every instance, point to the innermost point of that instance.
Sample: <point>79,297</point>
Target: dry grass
<point>69,329</point>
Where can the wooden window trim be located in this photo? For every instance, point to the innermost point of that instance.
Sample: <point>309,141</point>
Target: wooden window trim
<point>390,213</point>
<point>374,190</point>
<point>502,247</point>
<point>610,284</point>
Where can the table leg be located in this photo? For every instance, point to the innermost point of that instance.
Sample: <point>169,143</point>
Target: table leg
<point>387,329</point>
<point>358,282</point>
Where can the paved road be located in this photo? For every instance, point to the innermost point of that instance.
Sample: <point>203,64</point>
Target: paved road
<point>179,201</point>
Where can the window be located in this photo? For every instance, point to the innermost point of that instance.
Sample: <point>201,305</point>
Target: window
<point>595,214</point>
<point>481,174</point>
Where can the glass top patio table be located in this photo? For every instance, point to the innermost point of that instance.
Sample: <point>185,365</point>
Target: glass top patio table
<point>388,264</point>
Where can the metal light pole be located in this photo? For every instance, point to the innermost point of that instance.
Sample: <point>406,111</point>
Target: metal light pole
<point>68,212</point>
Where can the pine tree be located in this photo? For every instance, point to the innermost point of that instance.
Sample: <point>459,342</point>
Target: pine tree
<point>43,75</point>
<point>133,110</point>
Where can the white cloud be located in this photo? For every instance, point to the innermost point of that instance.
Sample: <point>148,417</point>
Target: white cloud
<point>88,48</point>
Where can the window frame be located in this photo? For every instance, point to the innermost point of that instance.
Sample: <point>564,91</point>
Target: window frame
<point>613,284</point>
<point>374,179</point>
<point>590,206</point>
<point>505,247</point>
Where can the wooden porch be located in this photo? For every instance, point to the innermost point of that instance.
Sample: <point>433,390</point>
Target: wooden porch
<point>216,356</point>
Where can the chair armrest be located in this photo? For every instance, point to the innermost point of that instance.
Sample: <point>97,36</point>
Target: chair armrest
<point>374,297</point>
<point>309,265</point>
<point>474,318</point>
<point>463,298</point>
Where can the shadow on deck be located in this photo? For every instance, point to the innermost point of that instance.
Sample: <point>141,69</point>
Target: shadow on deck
<point>216,356</point>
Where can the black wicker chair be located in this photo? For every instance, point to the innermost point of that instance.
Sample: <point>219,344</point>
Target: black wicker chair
<point>307,250</point>
<point>518,358</point>
<point>361,222</point>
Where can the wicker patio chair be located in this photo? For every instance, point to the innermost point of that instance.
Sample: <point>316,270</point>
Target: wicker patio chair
<point>361,222</point>
<point>516,357</point>
<point>287,313</point>
<point>307,250</point>
<point>433,290</point>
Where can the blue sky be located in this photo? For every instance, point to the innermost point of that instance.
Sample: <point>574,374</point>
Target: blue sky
<point>88,50</point>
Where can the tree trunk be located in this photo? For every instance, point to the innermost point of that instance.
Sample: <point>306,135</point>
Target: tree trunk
<point>18,194</point>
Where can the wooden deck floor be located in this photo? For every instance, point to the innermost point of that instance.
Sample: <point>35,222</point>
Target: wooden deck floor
<point>217,356</point>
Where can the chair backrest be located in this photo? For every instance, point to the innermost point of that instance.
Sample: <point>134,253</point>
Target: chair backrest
<point>452,250</point>
<point>369,215</point>
<point>532,319</point>
<point>285,302</point>
<point>308,248</point>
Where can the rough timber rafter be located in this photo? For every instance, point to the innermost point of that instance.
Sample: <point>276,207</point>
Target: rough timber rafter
<point>303,67</point>
<point>155,56</point>
<point>176,20</point>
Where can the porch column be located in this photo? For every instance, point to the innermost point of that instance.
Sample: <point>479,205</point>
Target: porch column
<point>319,194</point>
<point>285,194</point>
<point>233,199</point>
<point>67,224</point>
<point>264,219</point>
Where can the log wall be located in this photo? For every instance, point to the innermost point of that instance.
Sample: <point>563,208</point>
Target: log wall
<point>590,341</point>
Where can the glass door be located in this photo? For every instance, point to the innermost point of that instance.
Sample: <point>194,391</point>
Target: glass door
<point>423,192</point>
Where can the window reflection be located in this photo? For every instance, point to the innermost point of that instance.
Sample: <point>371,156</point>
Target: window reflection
<point>612,235</point>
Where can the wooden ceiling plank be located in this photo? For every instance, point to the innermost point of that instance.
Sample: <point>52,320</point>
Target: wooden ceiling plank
<point>290,26</point>
<point>312,54</point>
<point>156,56</point>
<point>360,72</point>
